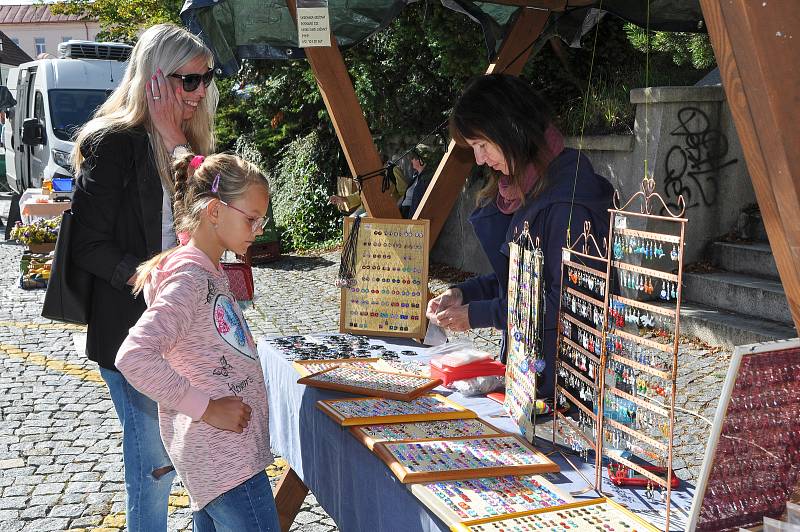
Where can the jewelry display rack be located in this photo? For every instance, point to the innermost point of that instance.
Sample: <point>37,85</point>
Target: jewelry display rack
<point>580,345</point>
<point>639,373</point>
<point>384,277</point>
<point>525,311</point>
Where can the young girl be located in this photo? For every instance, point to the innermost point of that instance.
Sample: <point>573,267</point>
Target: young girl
<point>192,352</point>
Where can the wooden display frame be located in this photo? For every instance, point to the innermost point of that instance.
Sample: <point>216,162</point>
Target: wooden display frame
<point>384,452</point>
<point>399,258</point>
<point>369,441</point>
<point>498,524</point>
<point>301,366</point>
<point>466,503</point>
<point>313,380</point>
<point>456,411</point>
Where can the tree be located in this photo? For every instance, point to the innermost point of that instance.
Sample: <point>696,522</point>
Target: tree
<point>121,20</point>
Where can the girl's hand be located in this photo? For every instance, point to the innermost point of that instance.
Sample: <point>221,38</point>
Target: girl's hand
<point>227,413</point>
<point>166,109</point>
<point>455,318</point>
<point>450,298</point>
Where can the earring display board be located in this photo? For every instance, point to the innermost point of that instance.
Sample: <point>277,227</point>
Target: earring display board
<point>524,335</point>
<point>368,381</point>
<point>369,435</point>
<point>641,341</point>
<point>456,501</point>
<point>595,514</point>
<point>752,461</point>
<point>462,458</point>
<point>390,279</point>
<point>374,410</point>
<point>580,342</point>
<point>309,367</point>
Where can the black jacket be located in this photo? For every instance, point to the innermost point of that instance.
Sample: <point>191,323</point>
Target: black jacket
<point>117,209</point>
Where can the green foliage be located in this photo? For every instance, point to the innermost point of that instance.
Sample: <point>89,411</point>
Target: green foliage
<point>684,48</point>
<point>121,20</point>
<point>299,183</point>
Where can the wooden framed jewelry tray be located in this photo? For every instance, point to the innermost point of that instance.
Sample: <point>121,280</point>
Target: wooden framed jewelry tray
<point>372,410</point>
<point>368,381</point>
<point>463,458</point>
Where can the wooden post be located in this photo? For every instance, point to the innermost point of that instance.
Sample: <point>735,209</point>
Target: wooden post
<point>290,492</point>
<point>351,126</point>
<point>758,56</point>
<point>455,166</point>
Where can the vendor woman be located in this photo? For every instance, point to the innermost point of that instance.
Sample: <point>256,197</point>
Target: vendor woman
<point>532,178</point>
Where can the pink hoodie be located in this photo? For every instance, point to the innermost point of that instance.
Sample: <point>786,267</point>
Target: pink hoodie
<point>191,345</point>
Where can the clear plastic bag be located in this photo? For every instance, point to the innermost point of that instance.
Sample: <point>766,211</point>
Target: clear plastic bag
<point>479,385</point>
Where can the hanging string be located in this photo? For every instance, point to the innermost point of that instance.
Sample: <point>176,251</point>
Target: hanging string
<point>647,93</point>
<point>583,126</point>
<point>347,266</point>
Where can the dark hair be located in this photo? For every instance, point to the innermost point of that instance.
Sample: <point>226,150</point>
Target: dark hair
<point>506,111</point>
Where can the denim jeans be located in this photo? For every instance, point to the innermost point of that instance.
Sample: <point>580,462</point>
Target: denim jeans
<point>143,454</point>
<point>247,507</point>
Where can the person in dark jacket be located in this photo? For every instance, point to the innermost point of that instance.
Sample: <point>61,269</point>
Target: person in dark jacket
<point>163,108</point>
<point>533,179</point>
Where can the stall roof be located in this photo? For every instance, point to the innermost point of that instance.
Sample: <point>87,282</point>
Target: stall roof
<point>254,29</point>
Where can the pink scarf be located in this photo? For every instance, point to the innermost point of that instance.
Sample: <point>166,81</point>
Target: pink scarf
<point>510,196</point>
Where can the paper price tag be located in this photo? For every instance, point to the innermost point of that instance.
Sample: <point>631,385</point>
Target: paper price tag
<point>313,23</point>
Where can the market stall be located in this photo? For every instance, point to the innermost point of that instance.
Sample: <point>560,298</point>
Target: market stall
<point>360,492</point>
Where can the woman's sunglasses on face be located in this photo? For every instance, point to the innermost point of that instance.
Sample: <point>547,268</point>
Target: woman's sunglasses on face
<point>192,81</point>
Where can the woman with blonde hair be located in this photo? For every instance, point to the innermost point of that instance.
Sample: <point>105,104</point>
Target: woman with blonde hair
<point>163,109</point>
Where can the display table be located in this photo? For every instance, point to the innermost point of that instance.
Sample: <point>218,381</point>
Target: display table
<point>29,208</point>
<point>359,492</point>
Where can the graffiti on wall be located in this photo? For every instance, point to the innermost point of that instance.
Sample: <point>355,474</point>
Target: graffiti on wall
<point>693,164</point>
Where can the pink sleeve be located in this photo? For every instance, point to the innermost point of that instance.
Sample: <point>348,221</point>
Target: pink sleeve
<point>141,357</point>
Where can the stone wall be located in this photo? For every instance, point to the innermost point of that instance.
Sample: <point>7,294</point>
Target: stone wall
<point>689,140</point>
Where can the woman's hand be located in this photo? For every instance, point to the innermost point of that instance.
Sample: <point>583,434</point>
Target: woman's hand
<point>227,413</point>
<point>455,318</point>
<point>166,110</point>
<point>450,298</point>
<point>339,201</point>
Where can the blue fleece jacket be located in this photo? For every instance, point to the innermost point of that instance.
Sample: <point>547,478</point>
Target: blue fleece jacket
<point>547,216</point>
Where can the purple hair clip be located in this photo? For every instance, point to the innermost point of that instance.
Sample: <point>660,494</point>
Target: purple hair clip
<point>215,184</point>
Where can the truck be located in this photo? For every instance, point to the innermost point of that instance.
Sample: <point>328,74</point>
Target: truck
<point>55,97</point>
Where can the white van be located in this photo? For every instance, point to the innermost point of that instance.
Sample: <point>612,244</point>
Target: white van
<point>55,97</point>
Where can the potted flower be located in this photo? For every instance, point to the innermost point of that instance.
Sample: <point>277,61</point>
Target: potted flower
<point>40,236</point>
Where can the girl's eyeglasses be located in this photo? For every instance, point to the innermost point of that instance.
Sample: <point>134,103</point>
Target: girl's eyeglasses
<point>255,223</point>
<point>192,81</point>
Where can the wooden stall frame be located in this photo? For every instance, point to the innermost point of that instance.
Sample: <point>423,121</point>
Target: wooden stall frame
<point>382,451</point>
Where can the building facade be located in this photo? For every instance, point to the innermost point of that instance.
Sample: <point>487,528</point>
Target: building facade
<point>37,31</point>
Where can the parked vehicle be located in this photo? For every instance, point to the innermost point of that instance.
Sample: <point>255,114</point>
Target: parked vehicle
<point>55,97</point>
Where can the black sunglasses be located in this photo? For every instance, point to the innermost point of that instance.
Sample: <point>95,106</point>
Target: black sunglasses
<point>192,81</point>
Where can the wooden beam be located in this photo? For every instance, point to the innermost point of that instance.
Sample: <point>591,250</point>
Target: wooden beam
<point>290,492</point>
<point>457,163</point>
<point>351,126</point>
<point>758,57</point>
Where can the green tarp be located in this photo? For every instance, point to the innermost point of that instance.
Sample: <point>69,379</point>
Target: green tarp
<point>265,29</point>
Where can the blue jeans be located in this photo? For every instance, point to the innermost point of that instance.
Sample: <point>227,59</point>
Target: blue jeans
<point>143,454</point>
<point>247,507</point>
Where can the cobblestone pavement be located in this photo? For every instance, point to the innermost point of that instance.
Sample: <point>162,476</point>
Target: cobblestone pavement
<point>60,441</point>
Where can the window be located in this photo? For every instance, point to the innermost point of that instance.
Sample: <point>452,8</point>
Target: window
<point>38,43</point>
<point>65,39</point>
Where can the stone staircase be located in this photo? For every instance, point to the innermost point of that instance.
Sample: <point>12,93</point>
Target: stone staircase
<point>741,301</point>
